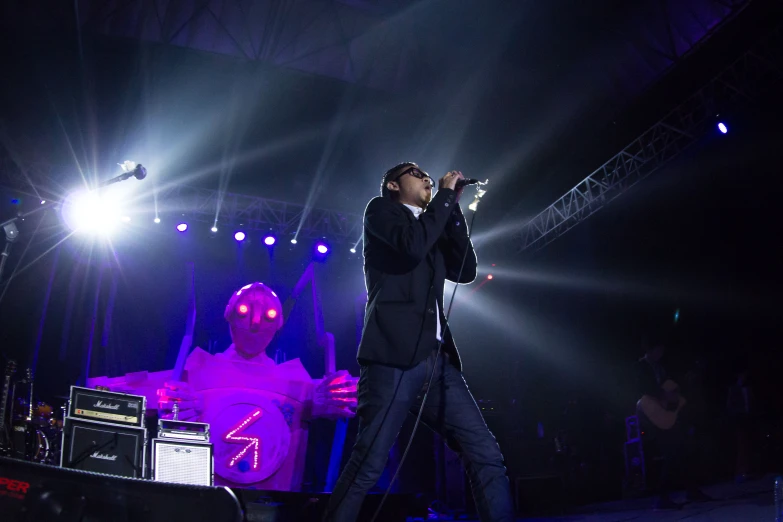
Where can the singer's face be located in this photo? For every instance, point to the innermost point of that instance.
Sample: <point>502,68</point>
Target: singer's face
<point>415,188</point>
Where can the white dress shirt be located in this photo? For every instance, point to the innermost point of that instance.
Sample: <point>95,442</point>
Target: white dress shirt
<point>416,213</point>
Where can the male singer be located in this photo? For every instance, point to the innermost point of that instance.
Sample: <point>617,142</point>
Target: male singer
<point>413,242</point>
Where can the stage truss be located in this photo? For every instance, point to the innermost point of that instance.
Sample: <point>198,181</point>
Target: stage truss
<point>286,220</point>
<point>755,71</point>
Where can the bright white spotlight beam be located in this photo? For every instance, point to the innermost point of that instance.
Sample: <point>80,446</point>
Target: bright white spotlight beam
<point>92,212</point>
<point>99,211</point>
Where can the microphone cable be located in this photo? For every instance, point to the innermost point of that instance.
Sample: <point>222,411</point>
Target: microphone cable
<point>432,375</point>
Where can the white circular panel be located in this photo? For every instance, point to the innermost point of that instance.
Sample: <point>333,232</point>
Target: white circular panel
<point>251,438</point>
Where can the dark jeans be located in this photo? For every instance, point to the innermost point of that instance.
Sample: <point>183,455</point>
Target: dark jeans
<point>385,396</point>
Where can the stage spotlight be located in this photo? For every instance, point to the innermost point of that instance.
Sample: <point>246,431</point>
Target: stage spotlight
<point>239,236</point>
<point>293,241</point>
<point>320,250</point>
<point>213,229</point>
<point>86,211</point>
<point>722,127</point>
<point>353,250</point>
<point>157,219</point>
<point>15,201</point>
<point>321,247</point>
<point>269,240</point>
<point>43,202</point>
<point>489,277</point>
<point>182,227</point>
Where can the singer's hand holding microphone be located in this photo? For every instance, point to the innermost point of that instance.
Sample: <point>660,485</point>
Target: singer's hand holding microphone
<point>454,180</point>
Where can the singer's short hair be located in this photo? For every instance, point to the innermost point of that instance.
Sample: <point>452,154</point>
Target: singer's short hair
<point>389,176</point>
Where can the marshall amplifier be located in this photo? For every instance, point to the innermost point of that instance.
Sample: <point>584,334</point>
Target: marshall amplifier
<point>104,448</point>
<point>183,430</point>
<point>106,406</point>
<point>182,462</point>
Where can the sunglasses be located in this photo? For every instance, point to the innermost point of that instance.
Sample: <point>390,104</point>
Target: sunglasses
<point>416,173</point>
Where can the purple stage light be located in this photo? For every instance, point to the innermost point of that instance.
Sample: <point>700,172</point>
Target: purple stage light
<point>182,227</point>
<point>269,240</point>
<point>722,127</point>
<point>239,236</point>
<point>321,248</point>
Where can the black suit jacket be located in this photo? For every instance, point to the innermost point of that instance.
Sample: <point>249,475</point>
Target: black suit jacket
<point>406,262</point>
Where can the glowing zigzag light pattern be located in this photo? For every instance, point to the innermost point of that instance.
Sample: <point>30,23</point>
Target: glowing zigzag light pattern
<point>252,441</point>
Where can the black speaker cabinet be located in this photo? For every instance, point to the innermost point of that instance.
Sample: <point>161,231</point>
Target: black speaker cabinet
<point>104,448</point>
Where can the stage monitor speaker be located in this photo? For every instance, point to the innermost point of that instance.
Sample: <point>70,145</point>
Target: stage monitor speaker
<point>182,462</point>
<point>37,492</point>
<point>104,448</point>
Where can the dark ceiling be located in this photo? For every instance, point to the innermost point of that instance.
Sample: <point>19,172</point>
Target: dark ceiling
<point>310,101</point>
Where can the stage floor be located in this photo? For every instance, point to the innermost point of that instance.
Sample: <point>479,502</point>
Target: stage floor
<point>749,502</point>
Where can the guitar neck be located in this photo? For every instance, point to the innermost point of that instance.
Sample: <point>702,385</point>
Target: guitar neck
<point>30,409</point>
<point>4,404</point>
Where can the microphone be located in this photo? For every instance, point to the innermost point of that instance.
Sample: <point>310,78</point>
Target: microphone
<point>465,182</point>
<point>138,172</point>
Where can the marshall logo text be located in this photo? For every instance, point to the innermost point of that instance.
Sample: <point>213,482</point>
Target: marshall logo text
<point>106,406</point>
<point>103,456</point>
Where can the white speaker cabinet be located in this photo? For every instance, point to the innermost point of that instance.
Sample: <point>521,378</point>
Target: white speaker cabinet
<point>182,462</point>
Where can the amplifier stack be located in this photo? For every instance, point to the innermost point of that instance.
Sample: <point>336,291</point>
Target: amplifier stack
<point>182,453</point>
<point>104,432</point>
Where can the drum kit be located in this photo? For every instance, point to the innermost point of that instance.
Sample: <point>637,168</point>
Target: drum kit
<point>29,429</point>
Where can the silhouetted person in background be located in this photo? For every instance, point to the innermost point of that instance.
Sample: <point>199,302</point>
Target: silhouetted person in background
<point>670,446</point>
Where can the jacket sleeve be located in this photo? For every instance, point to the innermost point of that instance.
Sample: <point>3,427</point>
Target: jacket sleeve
<point>454,246</point>
<point>411,238</point>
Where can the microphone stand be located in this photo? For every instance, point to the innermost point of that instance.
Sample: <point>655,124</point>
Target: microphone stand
<point>12,233</point>
<point>138,172</point>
